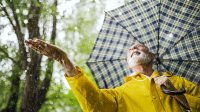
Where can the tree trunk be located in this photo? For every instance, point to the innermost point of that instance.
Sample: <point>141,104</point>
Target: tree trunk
<point>48,75</point>
<point>34,92</point>
<point>32,76</point>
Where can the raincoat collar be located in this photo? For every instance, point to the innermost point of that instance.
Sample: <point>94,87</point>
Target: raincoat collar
<point>140,76</point>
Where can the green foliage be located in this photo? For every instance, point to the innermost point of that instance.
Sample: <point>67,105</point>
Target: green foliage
<point>60,99</point>
<point>80,33</point>
<point>4,86</point>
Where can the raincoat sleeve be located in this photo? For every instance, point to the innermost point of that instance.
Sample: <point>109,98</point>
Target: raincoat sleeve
<point>192,93</point>
<point>90,97</point>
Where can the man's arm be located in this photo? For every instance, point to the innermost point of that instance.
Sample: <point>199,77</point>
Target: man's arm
<point>192,95</point>
<point>53,52</point>
<point>90,97</point>
<point>192,91</point>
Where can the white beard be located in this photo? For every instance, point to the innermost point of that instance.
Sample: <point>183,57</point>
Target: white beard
<point>142,58</point>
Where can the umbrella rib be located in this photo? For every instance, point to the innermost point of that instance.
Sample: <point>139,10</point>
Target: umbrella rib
<point>158,43</point>
<point>159,59</point>
<point>107,60</point>
<point>182,38</point>
<point>180,60</point>
<point>124,27</point>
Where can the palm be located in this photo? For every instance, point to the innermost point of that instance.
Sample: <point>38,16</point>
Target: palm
<point>46,49</point>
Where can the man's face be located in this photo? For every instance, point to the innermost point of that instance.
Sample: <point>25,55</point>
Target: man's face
<point>139,54</point>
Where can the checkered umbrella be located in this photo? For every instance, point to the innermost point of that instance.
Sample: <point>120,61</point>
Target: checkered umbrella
<point>170,28</point>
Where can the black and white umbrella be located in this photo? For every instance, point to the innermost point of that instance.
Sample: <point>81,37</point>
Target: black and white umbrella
<point>170,28</point>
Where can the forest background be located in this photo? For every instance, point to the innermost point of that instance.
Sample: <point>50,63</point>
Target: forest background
<point>33,83</point>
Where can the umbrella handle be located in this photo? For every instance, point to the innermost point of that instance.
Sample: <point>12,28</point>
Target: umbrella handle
<point>172,92</point>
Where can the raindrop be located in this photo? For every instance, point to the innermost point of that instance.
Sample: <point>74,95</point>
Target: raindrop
<point>140,20</point>
<point>26,49</point>
<point>23,77</point>
<point>25,12</point>
<point>28,59</point>
<point>120,13</point>
<point>17,11</point>
<point>25,21</point>
<point>58,17</point>
<point>170,35</point>
<point>76,28</point>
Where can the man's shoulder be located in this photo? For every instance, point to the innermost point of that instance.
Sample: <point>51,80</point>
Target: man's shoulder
<point>172,76</point>
<point>176,79</point>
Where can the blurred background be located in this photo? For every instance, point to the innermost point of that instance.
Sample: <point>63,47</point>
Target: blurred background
<point>33,83</point>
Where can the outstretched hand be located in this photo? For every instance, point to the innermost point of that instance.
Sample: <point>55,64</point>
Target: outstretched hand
<point>52,52</point>
<point>46,49</point>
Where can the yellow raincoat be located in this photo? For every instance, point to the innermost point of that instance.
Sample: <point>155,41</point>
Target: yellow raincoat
<point>138,94</point>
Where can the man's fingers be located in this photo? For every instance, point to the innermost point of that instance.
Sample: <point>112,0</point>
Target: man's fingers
<point>34,43</point>
<point>30,43</point>
<point>37,43</point>
<point>42,42</point>
<point>36,50</point>
<point>36,46</point>
<point>43,48</point>
<point>160,80</point>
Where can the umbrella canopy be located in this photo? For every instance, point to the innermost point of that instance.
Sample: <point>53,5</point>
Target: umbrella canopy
<point>169,28</point>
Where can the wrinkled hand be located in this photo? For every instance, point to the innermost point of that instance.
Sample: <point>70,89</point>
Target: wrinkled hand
<point>46,49</point>
<point>53,52</point>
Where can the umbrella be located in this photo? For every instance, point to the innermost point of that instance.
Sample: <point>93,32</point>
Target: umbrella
<point>170,28</point>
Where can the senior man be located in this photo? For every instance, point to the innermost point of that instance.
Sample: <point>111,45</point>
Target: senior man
<point>141,91</point>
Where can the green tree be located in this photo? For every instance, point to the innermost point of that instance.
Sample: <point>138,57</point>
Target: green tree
<point>25,85</point>
<point>25,14</point>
